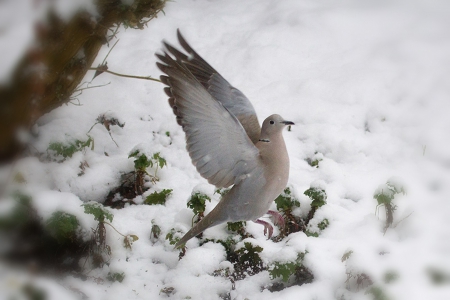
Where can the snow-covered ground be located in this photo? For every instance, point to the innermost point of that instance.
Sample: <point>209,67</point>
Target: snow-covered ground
<point>367,84</point>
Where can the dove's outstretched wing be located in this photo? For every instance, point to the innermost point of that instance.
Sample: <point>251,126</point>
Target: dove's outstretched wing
<point>218,145</point>
<point>220,89</point>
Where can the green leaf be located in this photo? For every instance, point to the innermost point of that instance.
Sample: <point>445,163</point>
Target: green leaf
<point>158,197</point>
<point>68,150</point>
<point>173,236</point>
<point>346,255</point>
<point>116,276</point>
<point>197,202</point>
<point>283,270</point>
<point>377,293</point>
<point>160,160</point>
<point>62,226</point>
<point>317,195</point>
<point>286,201</point>
<point>250,254</point>
<point>99,212</point>
<point>236,226</point>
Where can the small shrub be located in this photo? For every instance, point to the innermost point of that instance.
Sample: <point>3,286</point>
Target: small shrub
<point>318,197</point>
<point>390,276</point>
<point>141,163</point>
<point>113,277</point>
<point>377,293</point>
<point>321,226</point>
<point>286,202</point>
<point>384,195</point>
<point>63,226</point>
<point>249,261</point>
<point>98,211</point>
<point>158,197</point>
<point>291,270</point>
<point>197,203</point>
<point>68,150</point>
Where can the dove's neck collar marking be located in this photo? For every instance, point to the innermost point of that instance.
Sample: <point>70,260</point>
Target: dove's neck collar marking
<point>264,140</point>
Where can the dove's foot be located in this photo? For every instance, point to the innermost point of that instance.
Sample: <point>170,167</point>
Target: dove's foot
<point>267,227</point>
<point>278,219</point>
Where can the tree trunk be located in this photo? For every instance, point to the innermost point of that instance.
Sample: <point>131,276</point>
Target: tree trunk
<point>50,72</point>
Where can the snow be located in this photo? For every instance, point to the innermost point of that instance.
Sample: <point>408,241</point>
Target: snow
<point>367,84</point>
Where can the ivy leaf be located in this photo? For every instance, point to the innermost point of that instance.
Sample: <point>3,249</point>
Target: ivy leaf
<point>158,197</point>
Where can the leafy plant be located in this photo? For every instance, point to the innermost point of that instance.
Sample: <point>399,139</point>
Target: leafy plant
<point>173,236</point>
<point>283,270</point>
<point>197,203</point>
<point>346,255</point>
<point>158,197</point>
<point>315,160</point>
<point>155,231</point>
<point>98,211</point>
<point>99,246</point>
<point>113,277</point>
<point>321,226</point>
<point>377,293</point>
<point>289,269</point>
<point>141,163</point>
<point>62,226</point>
<point>69,150</point>
<point>318,197</point>
<point>390,276</point>
<point>384,195</point>
<point>249,260</point>
<point>286,202</point>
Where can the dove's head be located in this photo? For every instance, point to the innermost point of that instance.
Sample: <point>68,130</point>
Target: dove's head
<point>273,125</point>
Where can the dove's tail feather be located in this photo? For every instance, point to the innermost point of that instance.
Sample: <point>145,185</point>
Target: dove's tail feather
<point>210,220</point>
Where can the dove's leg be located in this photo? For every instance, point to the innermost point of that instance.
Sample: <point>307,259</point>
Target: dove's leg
<point>278,219</point>
<point>267,227</point>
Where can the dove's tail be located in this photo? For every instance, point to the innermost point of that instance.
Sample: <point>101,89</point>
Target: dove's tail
<point>210,220</point>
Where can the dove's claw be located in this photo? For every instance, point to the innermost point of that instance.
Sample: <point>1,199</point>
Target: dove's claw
<point>278,219</point>
<point>267,227</point>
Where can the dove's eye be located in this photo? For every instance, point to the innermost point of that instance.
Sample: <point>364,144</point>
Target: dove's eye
<point>272,122</point>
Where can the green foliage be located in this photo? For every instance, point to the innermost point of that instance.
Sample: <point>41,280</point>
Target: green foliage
<point>317,195</point>
<point>156,230</point>
<point>377,293</point>
<point>346,255</point>
<point>68,150</point>
<point>390,276</point>
<point>99,212</point>
<point>32,292</point>
<point>386,192</point>
<point>324,224</point>
<point>437,276</point>
<point>173,236</point>
<point>142,162</point>
<point>20,215</point>
<point>286,201</point>
<point>221,192</point>
<point>236,226</point>
<point>197,203</point>
<point>321,226</point>
<point>113,277</point>
<point>158,197</point>
<point>283,270</point>
<point>62,226</point>
<point>286,270</point>
<point>249,254</point>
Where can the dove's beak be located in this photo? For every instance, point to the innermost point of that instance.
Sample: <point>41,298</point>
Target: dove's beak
<point>288,123</point>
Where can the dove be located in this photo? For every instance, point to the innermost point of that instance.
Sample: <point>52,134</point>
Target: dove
<point>224,140</point>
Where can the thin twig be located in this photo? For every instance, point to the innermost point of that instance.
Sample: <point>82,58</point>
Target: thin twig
<point>124,75</point>
<point>103,62</point>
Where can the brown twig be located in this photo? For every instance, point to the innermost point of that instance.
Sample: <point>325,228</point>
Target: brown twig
<point>124,75</point>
